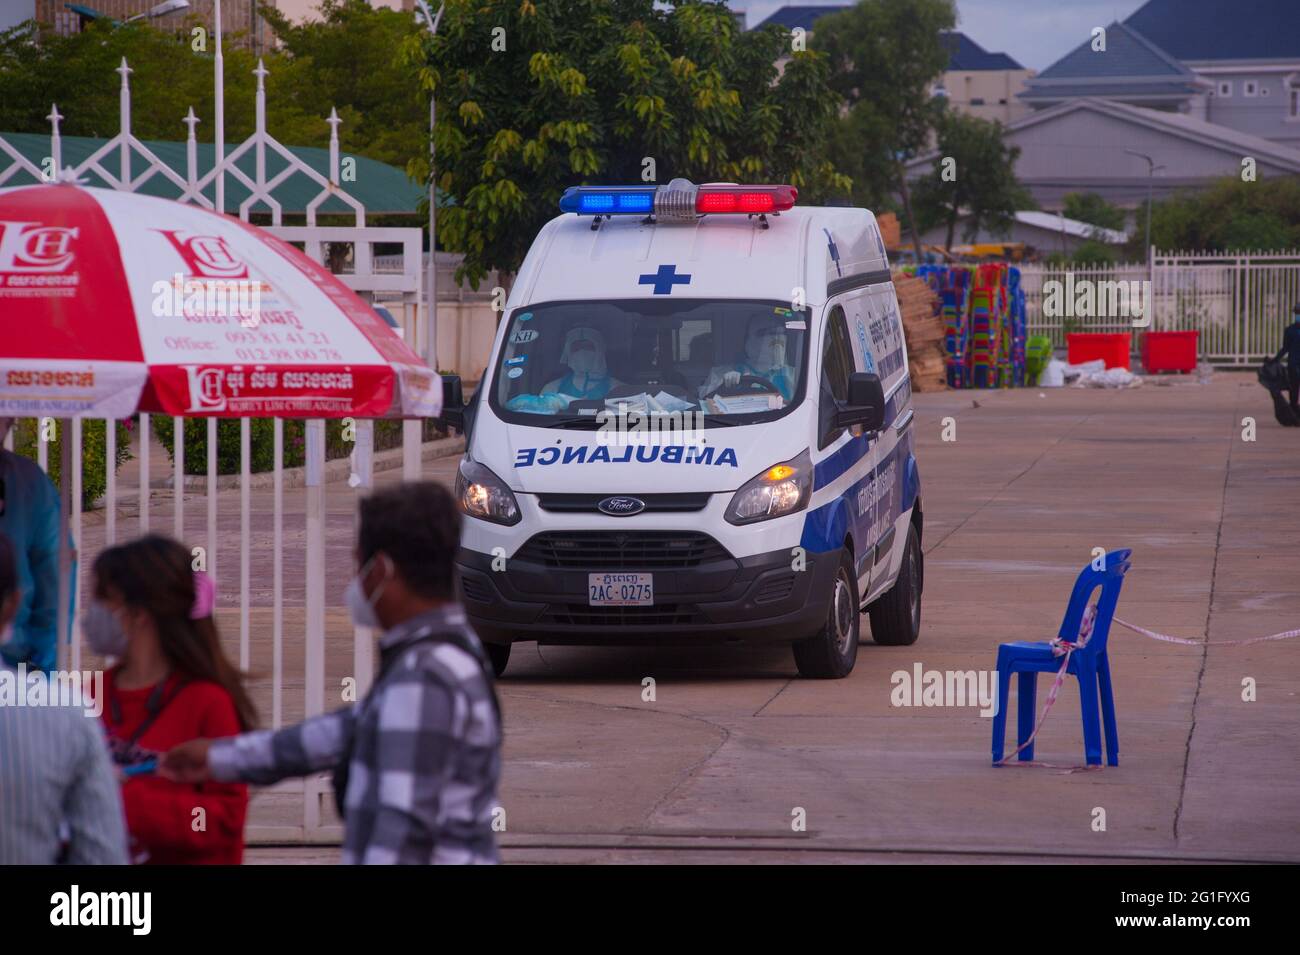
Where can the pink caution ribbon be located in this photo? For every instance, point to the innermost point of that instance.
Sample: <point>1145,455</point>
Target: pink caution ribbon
<point>1064,648</point>
<point>1166,638</point>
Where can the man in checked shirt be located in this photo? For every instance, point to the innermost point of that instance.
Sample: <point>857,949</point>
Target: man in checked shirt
<point>416,763</point>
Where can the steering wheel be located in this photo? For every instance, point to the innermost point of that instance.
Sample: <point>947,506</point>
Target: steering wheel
<point>748,384</point>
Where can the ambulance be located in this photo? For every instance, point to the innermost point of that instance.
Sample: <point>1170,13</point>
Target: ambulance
<point>696,428</point>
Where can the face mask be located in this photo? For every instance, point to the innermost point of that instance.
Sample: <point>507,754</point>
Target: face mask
<point>587,361</point>
<point>361,607</point>
<point>103,632</point>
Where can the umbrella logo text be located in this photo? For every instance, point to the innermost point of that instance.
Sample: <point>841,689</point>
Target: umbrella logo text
<point>206,391</point>
<point>207,256</point>
<point>32,247</point>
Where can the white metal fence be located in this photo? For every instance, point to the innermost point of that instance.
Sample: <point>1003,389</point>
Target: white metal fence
<point>283,618</point>
<point>1239,302</point>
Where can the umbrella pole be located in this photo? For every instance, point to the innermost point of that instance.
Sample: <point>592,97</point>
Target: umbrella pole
<point>65,552</point>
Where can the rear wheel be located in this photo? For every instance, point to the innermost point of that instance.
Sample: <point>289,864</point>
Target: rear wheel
<point>896,616</point>
<point>498,655</point>
<point>830,653</point>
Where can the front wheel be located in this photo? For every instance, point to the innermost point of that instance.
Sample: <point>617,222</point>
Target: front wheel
<point>896,616</point>
<point>830,653</point>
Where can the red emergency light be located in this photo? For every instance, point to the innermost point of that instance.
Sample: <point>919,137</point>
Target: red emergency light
<point>745,199</point>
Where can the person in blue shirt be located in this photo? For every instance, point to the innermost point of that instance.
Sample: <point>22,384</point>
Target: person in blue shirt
<point>1291,348</point>
<point>29,516</point>
<point>765,357</point>
<point>584,355</point>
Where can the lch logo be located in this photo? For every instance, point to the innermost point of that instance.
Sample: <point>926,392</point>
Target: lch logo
<point>207,256</point>
<point>206,385</point>
<point>32,247</point>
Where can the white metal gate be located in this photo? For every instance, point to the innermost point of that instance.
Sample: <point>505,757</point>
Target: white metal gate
<point>1239,302</point>
<point>277,610</point>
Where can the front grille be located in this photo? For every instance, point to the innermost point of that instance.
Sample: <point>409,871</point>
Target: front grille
<point>586,503</point>
<point>580,615</point>
<point>621,550</point>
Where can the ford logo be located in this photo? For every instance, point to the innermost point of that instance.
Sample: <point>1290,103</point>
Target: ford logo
<point>621,506</point>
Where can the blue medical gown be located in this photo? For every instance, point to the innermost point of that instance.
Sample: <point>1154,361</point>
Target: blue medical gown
<point>557,395</point>
<point>31,522</point>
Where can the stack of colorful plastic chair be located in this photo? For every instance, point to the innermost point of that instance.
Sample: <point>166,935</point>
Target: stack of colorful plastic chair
<point>1019,328</point>
<point>983,338</point>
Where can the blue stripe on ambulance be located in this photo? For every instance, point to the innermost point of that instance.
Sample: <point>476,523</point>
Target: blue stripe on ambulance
<point>825,527</point>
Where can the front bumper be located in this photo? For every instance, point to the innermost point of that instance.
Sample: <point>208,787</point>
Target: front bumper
<point>756,599</point>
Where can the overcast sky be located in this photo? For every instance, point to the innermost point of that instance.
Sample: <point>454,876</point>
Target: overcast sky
<point>1034,32</point>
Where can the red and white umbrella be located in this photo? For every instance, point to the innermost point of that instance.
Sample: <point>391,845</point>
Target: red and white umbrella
<point>113,302</point>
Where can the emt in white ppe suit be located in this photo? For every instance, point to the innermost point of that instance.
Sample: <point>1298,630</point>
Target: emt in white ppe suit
<point>764,358</point>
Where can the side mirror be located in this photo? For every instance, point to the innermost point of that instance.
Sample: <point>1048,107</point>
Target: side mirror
<point>866,404</point>
<point>453,402</point>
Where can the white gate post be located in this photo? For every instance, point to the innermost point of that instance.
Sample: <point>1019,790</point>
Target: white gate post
<point>314,677</point>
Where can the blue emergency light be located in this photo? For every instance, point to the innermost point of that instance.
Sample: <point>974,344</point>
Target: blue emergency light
<point>607,200</point>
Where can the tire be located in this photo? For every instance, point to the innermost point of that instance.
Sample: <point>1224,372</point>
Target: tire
<point>830,653</point>
<point>498,655</point>
<point>896,615</point>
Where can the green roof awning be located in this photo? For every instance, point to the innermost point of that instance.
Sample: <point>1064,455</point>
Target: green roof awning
<point>381,188</point>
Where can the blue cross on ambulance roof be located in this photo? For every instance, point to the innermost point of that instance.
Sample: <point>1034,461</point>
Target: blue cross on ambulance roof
<point>665,279</point>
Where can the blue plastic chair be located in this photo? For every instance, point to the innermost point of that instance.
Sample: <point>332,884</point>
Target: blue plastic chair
<point>1090,664</point>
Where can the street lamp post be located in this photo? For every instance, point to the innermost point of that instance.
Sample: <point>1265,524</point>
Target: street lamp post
<point>432,20</point>
<point>1152,168</point>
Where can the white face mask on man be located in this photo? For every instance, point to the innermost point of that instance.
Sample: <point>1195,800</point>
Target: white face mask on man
<point>360,606</point>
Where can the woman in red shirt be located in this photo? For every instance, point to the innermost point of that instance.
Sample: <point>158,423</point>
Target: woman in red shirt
<point>172,683</point>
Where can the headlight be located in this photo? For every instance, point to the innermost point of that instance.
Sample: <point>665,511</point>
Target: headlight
<point>780,490</point>
<point>482,494</point>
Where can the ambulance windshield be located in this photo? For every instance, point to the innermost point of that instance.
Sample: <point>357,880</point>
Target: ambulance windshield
<point>565,364</point>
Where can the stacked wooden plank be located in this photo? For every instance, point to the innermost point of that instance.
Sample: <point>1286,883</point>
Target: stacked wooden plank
<point>924,331</point>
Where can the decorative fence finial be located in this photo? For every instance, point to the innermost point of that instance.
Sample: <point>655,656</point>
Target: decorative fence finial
<point>334,145</point>
<point>56,140</point>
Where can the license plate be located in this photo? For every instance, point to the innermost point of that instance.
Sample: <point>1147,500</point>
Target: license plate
<point>620,590</point>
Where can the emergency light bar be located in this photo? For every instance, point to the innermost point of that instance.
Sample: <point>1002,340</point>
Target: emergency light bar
<point>678,199</point>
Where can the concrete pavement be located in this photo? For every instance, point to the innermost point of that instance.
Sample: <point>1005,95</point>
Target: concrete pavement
<point>735,745</point>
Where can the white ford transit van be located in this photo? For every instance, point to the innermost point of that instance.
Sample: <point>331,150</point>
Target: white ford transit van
<point>695,427</point>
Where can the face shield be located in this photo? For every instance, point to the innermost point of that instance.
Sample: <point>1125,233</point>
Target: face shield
<point>765,345</point>
<point>584,354</point>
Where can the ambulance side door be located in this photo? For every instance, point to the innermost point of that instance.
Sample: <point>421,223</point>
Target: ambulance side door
<point>850,454</point>
<point>876,326</point>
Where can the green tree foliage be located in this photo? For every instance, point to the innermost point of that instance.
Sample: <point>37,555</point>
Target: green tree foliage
<point>886,56</point>
<point>978,184</point>
<point>1093,209</point>
<point>536,97</point>
<point>345,60</point>
<point>28,433</point>
<point>1088,252</point>
<point>1230,216</point>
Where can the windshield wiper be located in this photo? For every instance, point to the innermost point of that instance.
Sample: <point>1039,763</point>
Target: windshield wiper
<point>571,421</point>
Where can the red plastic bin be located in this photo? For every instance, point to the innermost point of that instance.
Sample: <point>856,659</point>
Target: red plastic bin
<point>1111,347</point>
<point>1169,351</point>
